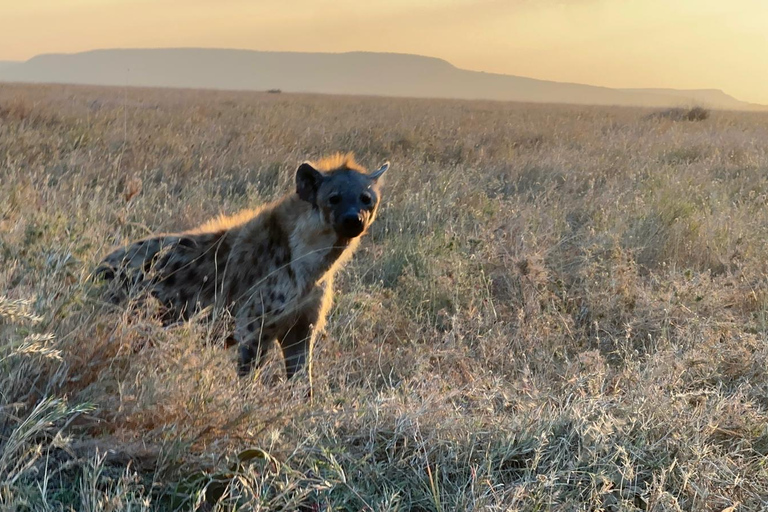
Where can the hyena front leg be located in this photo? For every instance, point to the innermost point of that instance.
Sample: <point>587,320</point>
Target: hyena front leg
<point>298,341</point>
<point>297,349</point>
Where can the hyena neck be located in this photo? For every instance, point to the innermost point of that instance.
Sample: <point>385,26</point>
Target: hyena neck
<point>316,249</point>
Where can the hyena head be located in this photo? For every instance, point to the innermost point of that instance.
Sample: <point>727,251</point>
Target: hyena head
<point>347,196</point>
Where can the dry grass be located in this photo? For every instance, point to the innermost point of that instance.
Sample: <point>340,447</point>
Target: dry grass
<point>559,308</point>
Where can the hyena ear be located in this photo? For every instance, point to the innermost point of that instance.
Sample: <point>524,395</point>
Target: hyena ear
<point>308,181</point>
<point>378,172</point>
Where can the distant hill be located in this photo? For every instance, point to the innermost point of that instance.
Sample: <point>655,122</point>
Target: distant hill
<point>383,74</point>
<point>6,63</point>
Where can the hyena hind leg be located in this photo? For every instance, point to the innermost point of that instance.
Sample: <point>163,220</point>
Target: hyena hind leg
<point>254,342</point>
<point>252,355</point>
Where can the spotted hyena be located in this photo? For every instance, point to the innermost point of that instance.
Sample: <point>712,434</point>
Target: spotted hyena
<point>272,268</point>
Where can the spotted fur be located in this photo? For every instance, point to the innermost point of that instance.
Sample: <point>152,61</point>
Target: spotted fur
<point>271,267</point>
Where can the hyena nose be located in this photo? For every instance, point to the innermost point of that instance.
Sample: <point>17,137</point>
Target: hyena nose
<point>351,225</point>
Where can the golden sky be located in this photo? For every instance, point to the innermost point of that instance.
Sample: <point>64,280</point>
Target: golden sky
<point>719,44</point>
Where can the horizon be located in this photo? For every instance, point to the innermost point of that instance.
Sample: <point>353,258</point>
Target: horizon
<point>630,44</point>
<point>652,90</point>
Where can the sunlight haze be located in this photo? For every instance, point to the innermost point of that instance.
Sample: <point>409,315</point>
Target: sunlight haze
<point>684,44</point>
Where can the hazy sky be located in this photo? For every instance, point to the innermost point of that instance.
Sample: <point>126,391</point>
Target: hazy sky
<point>721,44</point>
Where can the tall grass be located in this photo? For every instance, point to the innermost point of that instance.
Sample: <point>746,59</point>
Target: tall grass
<point>559,308</point>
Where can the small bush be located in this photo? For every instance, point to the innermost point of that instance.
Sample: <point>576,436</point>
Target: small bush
<point>683,114</point>
<point>697,114</point>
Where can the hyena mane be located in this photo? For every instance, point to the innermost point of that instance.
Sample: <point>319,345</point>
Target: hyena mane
<point>271,268</point>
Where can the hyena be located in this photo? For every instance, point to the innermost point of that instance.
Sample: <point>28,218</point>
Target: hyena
<point>272,267</point>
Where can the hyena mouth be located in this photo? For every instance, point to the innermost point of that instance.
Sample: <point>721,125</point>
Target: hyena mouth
<point>350,226</point>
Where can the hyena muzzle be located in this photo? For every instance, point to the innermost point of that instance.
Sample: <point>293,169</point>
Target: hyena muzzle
<point>272,268</point>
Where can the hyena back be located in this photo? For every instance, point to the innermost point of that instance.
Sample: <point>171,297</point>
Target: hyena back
<point>272,268</point>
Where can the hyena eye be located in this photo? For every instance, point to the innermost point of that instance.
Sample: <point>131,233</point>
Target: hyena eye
<point>334,199</point>
<point>366,199</point>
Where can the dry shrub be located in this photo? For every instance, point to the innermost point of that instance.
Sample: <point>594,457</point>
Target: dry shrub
<point>16,109</point>
<point>683,114</point>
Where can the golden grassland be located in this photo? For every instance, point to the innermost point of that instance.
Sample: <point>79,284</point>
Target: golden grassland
<point>558,308</point>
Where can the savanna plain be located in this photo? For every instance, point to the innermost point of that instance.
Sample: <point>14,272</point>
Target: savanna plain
<point>558,308</point>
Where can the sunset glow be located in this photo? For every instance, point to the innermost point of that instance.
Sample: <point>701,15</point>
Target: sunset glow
<point>622,43</point>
